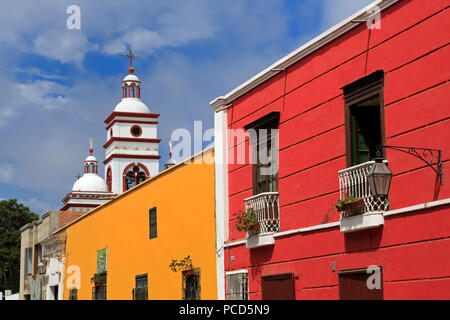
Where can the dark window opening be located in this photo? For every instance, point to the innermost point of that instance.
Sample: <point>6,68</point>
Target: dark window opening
<point>191,285</point>
<point>38,262</point>
<point>364,118</point>
<point>54,290</point>
<point>365,128</point>
<point>130,180</point>
<point>134,176</point>
<point>136,131</point>
<point>264,141</point>
<point>153,230</point>
<point>140,292</point>
<point>73,294</point>
<point>99,289</point>
<point>140,177</point>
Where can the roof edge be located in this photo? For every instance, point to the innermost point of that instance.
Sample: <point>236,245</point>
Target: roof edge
<point>186,161</point>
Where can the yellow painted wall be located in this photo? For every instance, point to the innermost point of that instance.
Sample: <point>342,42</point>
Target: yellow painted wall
<point>184,197</point>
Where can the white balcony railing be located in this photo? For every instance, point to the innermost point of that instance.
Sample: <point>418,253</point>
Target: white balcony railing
<point>353,182</point>
<point>266,207</point>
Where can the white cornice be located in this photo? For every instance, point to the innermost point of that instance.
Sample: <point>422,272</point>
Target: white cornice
<point>308,48</point>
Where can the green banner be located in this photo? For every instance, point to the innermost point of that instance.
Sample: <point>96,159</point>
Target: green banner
<point>101,260</point>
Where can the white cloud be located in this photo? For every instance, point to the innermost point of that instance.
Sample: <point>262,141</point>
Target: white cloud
<point>5,114</point>
<point>6,172</point>
<point>67,46</point>
<point>48,95</point>
<point>139,39</point>
<point>177,25</point>
<point>39,73</point>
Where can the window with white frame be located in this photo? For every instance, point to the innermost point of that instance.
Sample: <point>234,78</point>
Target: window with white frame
<point>237,285</point>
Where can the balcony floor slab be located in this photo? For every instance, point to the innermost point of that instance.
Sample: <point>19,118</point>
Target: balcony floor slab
<point>361,222</point>
<point>260,240</point>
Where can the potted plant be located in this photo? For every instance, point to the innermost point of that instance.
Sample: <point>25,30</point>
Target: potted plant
<point>97,279</point>
<point>248,221</point>
<point>349,202</point>
<point>183,265</point>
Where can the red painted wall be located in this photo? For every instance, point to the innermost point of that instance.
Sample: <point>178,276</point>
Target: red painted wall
<point>412,48</point>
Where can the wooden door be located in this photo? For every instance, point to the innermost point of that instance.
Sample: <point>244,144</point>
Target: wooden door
<point>353,286</point>
<point>278,287</point>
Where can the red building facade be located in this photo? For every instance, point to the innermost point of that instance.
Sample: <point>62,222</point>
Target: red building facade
<point>333,100</point>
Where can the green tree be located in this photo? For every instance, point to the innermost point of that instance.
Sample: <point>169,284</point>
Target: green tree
<point>13,216</point>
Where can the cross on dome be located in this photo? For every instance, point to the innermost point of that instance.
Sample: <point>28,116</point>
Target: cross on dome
<point>131,87</point>
<point>131,56</point>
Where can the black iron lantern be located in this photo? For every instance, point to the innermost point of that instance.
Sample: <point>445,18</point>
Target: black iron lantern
<point>379,179</point>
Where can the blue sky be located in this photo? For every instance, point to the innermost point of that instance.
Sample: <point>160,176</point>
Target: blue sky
<point>58,85</point>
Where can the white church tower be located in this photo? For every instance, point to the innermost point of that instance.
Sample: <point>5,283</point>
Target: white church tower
<point>132,143</point>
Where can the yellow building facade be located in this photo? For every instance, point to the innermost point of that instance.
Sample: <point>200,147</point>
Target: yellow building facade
<point>138,235</point>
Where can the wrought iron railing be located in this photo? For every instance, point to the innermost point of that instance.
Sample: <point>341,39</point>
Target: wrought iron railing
<point>353,183</point>
<point>266,207</point>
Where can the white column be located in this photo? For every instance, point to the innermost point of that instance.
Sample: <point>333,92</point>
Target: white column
<point>221,193</point>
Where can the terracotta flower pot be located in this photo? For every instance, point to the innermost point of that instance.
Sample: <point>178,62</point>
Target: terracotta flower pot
<point>254,226</point>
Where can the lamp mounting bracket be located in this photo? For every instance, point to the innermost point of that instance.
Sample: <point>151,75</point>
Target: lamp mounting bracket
<point>432,157</point>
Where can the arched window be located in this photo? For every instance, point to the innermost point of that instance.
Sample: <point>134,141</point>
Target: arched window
<point>109,179</point>
<point>133,175</point>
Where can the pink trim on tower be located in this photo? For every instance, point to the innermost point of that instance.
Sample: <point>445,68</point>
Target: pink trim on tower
<point>130,121</point>
<point>111,140</point>
<point>130,114</point>
<point>130,156</point>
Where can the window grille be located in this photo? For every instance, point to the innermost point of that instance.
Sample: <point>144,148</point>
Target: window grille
<point>237,286</point>
<point>141,290</point>
<point>153,223</point>
<point>73,294</point>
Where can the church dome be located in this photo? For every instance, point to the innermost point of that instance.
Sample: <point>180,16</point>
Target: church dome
<point>131,105</point>
<point>91,158</point>
<point>131,77</point>
<point>90,182</point>
<point>131,94</point>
